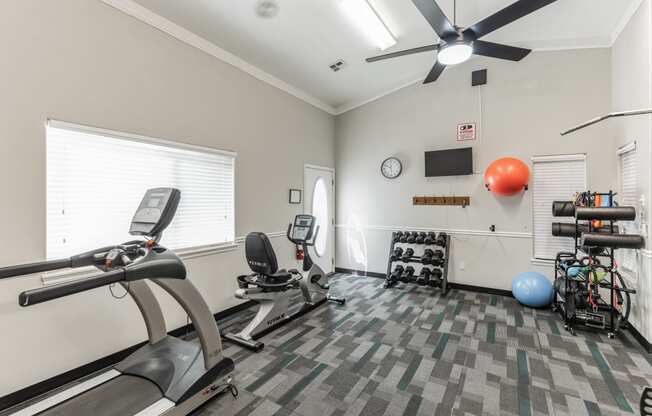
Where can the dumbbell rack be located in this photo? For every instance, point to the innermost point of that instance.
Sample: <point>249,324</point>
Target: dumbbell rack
<point>443,281</point>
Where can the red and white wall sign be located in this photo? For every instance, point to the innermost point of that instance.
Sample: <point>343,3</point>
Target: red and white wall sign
<point>466,131</point>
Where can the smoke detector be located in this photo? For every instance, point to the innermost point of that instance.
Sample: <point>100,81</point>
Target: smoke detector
<point>267,9</point>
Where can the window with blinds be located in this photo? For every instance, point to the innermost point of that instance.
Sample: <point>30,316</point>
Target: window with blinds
<point>628,196</point>
<point>554,178</point>
<point>96,179</point>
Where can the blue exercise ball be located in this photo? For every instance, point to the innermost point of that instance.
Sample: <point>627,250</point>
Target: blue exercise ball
<point>532,289</point>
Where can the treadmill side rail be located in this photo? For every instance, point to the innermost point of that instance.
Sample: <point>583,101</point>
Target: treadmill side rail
<point>157,408</point>
<point>67,394</point>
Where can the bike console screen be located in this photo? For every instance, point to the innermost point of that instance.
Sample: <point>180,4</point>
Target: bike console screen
<point>303,227</point>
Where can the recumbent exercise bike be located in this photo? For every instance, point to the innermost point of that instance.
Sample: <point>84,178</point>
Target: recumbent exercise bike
<point>273,289</point>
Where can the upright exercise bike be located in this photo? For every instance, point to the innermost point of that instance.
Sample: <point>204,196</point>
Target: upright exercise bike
<point>314,286</point>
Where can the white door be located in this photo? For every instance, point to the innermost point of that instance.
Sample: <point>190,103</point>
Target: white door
<point>319,201</point>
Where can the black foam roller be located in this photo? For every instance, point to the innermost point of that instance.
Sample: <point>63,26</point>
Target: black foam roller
<point>606,213</point>
<point>562,229</point>
<point>563,209</point>
<point>613,240</point>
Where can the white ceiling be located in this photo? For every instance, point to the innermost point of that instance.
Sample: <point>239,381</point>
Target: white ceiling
<point>297,46</point>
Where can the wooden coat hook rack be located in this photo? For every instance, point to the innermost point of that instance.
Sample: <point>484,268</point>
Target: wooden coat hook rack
<point>462,201</point>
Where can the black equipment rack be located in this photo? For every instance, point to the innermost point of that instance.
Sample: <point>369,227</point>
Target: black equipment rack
<point>442,282</point>
<point>584,316</point>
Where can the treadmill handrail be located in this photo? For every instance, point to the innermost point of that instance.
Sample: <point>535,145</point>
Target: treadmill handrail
<point>45,294</point>
<point>79,260</point>
<point>37,267</point>
<point>154,263</point>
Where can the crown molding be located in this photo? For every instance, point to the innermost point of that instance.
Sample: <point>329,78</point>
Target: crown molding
<point>606,42</point>
<point>348,107</point>
<point>157,21</point>
<point>629,13</point>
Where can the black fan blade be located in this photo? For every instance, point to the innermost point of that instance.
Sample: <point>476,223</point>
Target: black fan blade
<point>506,16</point>
<point>420,49</point>
<point>435,72</point>
<point>436,17</point>
<point>496,50</point>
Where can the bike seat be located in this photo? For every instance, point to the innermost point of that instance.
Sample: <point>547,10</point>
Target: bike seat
<point>279,281</point>
<point>280,275</point>
<point>262,261</point>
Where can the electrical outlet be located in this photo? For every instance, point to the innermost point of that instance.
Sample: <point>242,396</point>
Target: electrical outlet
<point>462,266</point>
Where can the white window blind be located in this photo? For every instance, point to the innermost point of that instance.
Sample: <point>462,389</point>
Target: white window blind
<point>554,178</point>
<point>96,179</point>
<point>628,196</point>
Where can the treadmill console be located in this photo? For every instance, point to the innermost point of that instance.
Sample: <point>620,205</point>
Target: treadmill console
<point>155,212</point>
<point>304,226</point>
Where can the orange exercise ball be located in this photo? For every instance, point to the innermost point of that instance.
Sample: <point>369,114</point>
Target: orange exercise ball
<point>507,176</point>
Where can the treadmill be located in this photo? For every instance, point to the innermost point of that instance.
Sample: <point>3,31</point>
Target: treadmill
<point>167,376</point>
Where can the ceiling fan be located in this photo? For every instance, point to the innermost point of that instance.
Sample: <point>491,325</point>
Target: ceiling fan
<point>458,44</point>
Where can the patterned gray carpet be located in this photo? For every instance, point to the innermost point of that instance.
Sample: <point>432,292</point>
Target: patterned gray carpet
<point>408,351</point>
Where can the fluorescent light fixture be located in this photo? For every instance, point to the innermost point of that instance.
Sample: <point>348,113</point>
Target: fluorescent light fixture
<point>455,53</point>
<point>364,15</point>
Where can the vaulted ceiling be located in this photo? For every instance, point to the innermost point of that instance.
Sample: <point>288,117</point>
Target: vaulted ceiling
<point>298,45</point>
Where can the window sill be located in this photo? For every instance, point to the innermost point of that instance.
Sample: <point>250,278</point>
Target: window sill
<point>202,251</point>
<point>542,262</point>
<point>69,275</point>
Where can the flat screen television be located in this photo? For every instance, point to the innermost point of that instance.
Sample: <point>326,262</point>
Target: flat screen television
<point>449,162</point>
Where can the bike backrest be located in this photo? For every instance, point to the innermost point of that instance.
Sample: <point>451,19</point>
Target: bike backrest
<point>260,254</point>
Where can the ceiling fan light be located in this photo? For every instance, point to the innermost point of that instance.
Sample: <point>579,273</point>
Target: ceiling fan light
<point>455,53</point>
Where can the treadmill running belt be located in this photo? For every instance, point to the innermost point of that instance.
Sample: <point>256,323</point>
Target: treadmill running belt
<point>123,396</point>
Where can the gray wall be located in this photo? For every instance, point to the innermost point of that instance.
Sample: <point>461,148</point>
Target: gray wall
<point>85,62</point>
<point>632,89</point>
<point>520,113</point>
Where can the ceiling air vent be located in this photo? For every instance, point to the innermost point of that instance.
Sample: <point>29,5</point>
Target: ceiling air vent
<point>337,66</point>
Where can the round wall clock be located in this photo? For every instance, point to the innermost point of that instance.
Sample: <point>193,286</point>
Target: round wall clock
<point>391,168</point>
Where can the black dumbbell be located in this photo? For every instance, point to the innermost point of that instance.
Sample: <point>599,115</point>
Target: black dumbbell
<point>427,256</point>
<point>421,238</point>
<point>407,255</point>
<point>404,237</point>
<point>398,253</point>
<point>396,237</point>
<point>412,238</point>
<point>432,257</point>
<point>408,274</point>
<point>430,238</point>
<point>435,278</point>
<point>397,273</point>
<point>424,276</point>
<point>441,240</point>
